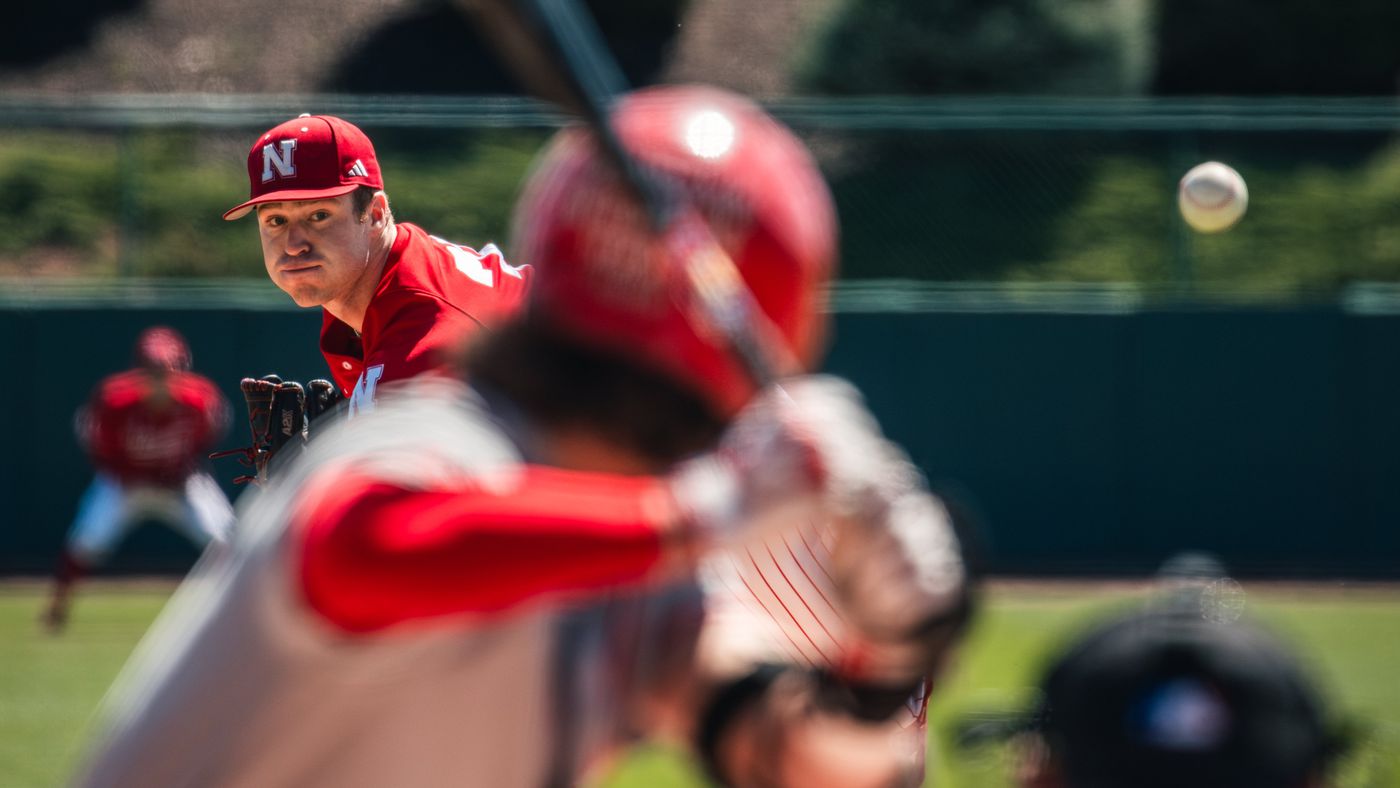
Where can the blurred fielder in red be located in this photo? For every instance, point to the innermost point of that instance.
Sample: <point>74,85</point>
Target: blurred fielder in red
<point>504,584</point>
<point>146,431</point>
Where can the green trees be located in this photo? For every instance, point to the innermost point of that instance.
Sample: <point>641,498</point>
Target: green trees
<point>1098,205</point>
<point>147,202</point>
<point>921,47</point>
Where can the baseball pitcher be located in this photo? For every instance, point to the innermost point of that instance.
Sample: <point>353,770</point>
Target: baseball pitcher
<point>395,299</point>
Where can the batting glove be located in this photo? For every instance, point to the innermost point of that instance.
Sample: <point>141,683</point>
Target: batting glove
<point>896,562</point>
<point>901,579</point>
<point>767,469</point>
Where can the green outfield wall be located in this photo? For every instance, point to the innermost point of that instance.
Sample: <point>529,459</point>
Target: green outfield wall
<point>1093,439</point>
<point>1103,443</point>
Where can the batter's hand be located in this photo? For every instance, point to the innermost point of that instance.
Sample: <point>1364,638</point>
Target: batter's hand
<point>896,561</point>
<point>863,469</point>
<point>768,469</point>
<point>798,449</point>
<point>900,577</point>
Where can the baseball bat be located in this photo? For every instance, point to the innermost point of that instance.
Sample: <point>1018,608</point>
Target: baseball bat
<point>555,49</point>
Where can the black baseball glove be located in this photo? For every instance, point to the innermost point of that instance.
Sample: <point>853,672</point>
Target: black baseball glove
<point>279,414</point>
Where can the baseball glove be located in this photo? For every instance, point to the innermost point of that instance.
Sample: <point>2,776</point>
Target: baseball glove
<point>278,414</point>
<point>321,398</point>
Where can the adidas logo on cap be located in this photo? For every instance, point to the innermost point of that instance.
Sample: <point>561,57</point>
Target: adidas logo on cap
<point>357,170</point>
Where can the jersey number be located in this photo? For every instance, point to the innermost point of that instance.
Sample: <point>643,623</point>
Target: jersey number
<point>470,263</point>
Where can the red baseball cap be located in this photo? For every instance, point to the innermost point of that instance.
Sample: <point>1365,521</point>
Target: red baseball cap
<point>310,157</point>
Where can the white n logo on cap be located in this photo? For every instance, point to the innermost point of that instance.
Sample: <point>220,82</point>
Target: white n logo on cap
<point>282,162</point>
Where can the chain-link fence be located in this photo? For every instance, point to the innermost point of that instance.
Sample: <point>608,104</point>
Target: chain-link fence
<point>944,196</point>
<point>1084,192</point>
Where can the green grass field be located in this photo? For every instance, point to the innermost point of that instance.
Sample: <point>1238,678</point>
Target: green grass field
<point>1349,637</point>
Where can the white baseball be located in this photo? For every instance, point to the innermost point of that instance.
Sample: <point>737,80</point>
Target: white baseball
<point>1212,197</point>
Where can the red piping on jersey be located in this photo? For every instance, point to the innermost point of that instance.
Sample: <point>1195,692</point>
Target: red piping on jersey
<point>835,611</point>
<point>798,593</point>
<point>797,648</point>
<point>373,554</point>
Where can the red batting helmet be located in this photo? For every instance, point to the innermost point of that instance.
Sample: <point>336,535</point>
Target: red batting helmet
<point>161,347</point>
<point>603,276</point>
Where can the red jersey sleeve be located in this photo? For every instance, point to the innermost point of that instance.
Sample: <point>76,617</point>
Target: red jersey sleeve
<point>373,554</point>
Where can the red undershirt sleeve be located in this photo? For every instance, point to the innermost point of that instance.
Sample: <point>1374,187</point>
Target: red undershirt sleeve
<point>373,554</point>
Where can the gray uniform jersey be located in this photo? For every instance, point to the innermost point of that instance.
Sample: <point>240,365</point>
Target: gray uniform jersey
<point>240,684</point>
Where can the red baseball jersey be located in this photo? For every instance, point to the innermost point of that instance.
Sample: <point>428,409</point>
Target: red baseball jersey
<point>141,439</point>
<point>432,295</point>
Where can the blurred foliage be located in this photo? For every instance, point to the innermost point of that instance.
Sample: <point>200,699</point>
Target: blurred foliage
<point>1063,207</point>
<point>943,206</point>
<point>1005,194</point>
<point>172,202</point>
<point>950,207</point>
<point>1074,207</point>
<point>1311,228</point>
<point>1071,208</point>
<point>1106,47</point>
<point>455,184</point>
<point>141,204</point>
<point>56,195</point>
<point>915,47</point>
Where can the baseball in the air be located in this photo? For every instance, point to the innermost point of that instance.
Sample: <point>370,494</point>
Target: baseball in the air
<point>1212,197</point>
